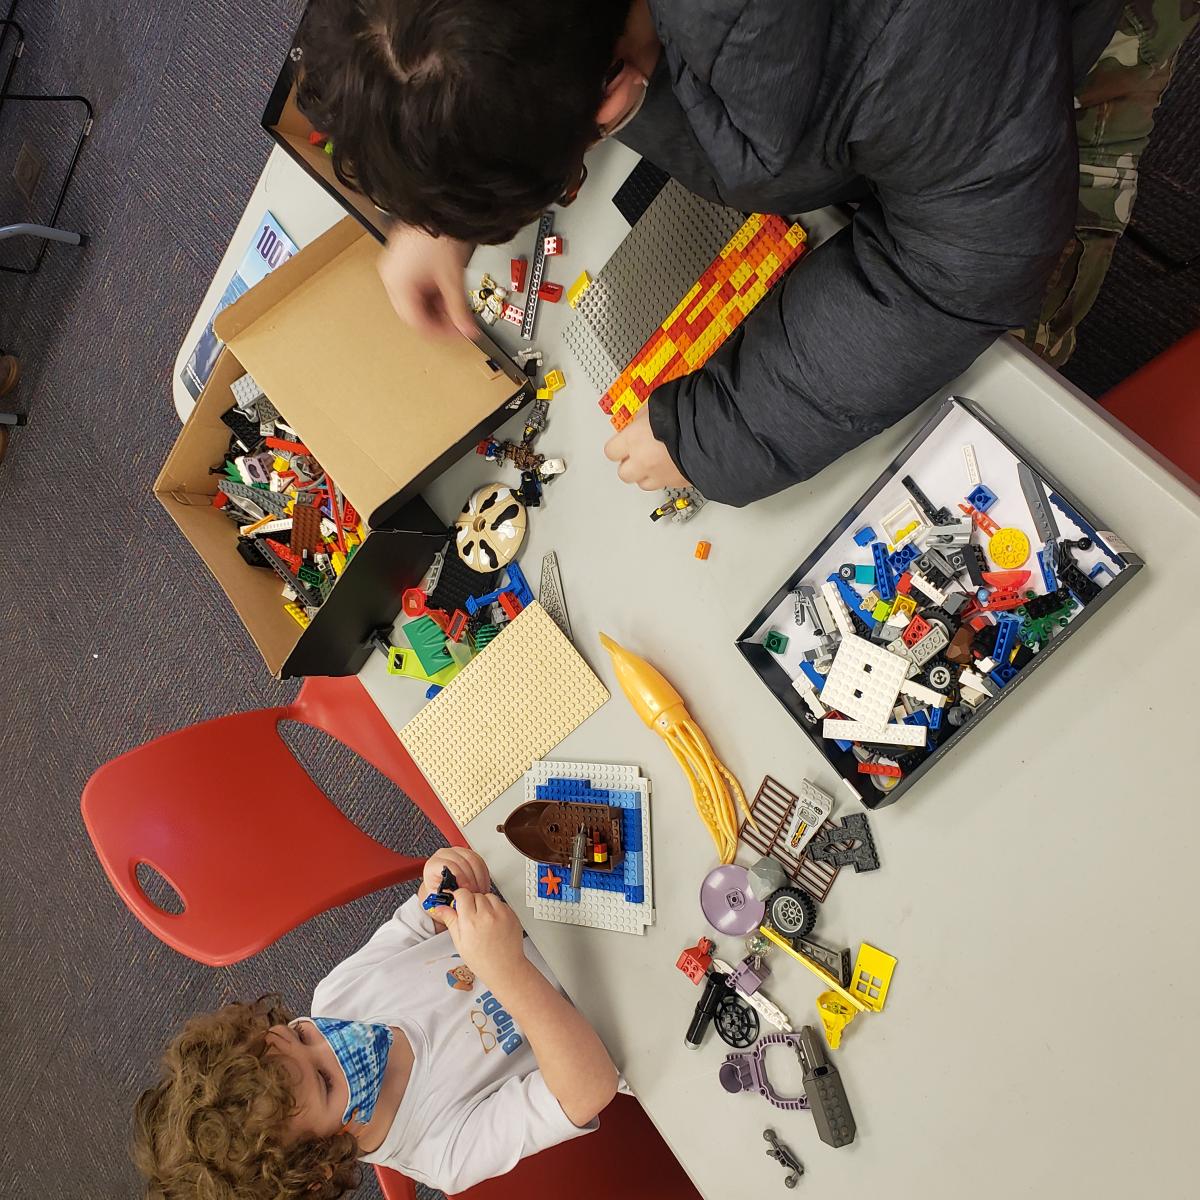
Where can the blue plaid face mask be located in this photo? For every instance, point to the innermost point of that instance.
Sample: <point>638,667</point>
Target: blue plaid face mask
<point>362,1053</point>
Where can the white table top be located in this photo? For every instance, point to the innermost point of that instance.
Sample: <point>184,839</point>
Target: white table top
<point>1037,1038</point>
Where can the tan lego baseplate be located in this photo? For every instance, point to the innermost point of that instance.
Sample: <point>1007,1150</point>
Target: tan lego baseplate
<point>511,704</point>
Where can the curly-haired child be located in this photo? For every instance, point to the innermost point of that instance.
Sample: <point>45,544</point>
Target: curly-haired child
<point>441,1048</point>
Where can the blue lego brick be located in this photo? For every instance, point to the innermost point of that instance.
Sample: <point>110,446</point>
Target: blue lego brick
<point>865,536</point>
<point>885,582</point>
<point>636,895</point>
<point>432,690</point>
<point>565,892</point>
<point>604,881</point>
<point>632,832</point>
<point>1002,674</point>
<point>1048,578</point>
<point>813,675</point>
<point>899,559</point>
<point>864,574</point>
<point>518,584</point>
<point>981,498</point>
<point>935,718</point>
<point>854,602</point>
<point>1006,638</point>
<point>633,876</point>
<point>1098,570</point>
<point>475,603</point>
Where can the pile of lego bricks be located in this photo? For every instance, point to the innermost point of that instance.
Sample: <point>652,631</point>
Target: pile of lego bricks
<point>453,614</point>
<point>291,517</point>
<point>902,665</point>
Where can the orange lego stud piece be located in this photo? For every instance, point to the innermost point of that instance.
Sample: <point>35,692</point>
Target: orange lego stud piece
<point>702,549</point>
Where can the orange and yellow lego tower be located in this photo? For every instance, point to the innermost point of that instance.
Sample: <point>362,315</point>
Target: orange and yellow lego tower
<point>715,305</point>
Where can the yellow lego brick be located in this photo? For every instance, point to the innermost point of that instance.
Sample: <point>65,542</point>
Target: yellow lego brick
<point>741,274</point>
<point>684,304</point>
<point>904,605</point>
<point>545,394</point>
<point>649,370</point>
<point>338,561</point>
<point>872,976</point>
<point>279,464</point>
<point>297,614</point>
<point>555,380</point>
<point>576,290</point>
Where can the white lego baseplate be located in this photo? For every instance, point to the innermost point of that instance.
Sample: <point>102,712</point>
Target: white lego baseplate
<point>598,910</point>
<point>864,681</point>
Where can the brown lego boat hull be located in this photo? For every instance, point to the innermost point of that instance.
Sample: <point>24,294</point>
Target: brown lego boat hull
<point>544,830</point>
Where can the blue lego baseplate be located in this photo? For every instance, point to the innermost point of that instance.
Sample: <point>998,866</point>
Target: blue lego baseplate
<point>629,881</point>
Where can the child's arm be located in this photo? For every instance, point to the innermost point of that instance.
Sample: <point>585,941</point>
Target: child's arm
<point>573,1060</point>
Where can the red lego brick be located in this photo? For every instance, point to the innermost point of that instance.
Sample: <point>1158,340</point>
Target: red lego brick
<point>519,268</point>
<point>512,314</point>
<point>695,960</point>
<point>915,630</point>
<point>511,605</point>
<point>904,583</point>
<point>552,245</point>
<point>551,292</point>
<point>874,768</point>
<point>457,626</point>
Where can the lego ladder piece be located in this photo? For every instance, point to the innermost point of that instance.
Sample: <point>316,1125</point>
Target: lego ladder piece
<point>772,810</point>
<point>753,260</point>
<point>545,225</point>
<point>506,708</point>
<point>593,908</point>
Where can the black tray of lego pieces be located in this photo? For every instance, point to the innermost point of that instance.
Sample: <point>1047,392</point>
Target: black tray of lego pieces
<point>957,445</point>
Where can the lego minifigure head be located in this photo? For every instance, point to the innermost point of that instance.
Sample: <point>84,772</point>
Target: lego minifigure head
<point>220,1120</point>
<point>466,119</point>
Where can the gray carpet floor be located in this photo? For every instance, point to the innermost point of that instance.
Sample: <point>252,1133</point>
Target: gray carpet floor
<point>110,634</point>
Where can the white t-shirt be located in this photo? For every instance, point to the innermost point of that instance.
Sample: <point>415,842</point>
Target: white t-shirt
<point>476,1102</point>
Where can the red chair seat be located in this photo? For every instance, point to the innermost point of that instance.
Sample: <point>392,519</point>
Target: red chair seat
<point>1161,403</point>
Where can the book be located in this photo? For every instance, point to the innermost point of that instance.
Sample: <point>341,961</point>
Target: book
<point>269,248</point>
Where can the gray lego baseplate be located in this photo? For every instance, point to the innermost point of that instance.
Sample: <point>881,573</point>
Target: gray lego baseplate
<point>664,254</point>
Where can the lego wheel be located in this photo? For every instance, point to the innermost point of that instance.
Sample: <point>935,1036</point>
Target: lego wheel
<point>939,675</point>
<point>491,528</point>
<point>736,1022</point>
<point>792,912</point>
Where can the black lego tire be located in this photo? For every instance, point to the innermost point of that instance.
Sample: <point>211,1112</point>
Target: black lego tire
<point>792,912</point>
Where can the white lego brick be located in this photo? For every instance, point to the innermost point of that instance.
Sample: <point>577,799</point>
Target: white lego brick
<point>927,588</point>
<point>808,694</point>
<point>891,734</point>
<point>595,909</point>
<point>767,1009</point>
<point>972,464</point>
<point>864,681</point>
<point>986,665</point>
<point>919,691</point>
<point>837,609</point>
<point>902,516</point>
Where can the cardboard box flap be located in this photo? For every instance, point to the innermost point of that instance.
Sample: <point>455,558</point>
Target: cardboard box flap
<point>374,400</point>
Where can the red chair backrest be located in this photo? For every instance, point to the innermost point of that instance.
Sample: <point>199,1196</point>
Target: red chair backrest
<point>224,812</point>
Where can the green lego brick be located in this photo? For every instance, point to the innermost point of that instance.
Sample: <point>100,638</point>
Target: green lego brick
<point>428,640</point>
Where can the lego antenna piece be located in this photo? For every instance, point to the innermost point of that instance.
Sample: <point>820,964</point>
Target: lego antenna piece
<point>506,708</point>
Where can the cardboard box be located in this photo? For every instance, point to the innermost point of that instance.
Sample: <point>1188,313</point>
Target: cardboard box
<point>289,129</point>
<point>384,411</point>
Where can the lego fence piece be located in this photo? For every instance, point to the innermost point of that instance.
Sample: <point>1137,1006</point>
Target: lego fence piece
<point>510,705</point>
<point>589,906</point>
<point>672,242</point>
<point>754,259</point>
<point>773,808</point>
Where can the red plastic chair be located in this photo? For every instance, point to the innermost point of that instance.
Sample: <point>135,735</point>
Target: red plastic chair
<point>224,812</point>
<point>626,1157</point>
<point>1161,403</point>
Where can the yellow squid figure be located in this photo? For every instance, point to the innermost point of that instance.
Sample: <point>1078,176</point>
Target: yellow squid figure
<point>714,787</point>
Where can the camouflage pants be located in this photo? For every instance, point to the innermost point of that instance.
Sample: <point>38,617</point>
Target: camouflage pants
<point>1113,117</point>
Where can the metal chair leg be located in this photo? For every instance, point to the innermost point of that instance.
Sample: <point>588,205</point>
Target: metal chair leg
<point>84,133</point>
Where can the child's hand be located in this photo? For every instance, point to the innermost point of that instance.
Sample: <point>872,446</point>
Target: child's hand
<point>642,458</point>
<point>487,935</point>
<point>467,867</point>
